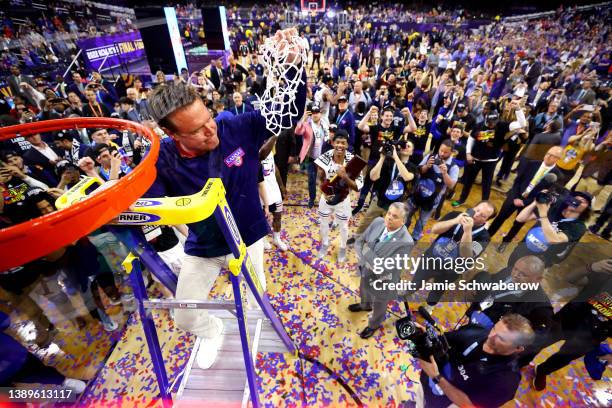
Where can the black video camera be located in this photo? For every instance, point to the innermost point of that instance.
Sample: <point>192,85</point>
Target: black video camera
<point>557,195</point>
<point>423,343</point>
<point>387,146</point>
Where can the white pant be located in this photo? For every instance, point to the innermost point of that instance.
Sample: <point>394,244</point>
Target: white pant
<point>342,213</point>
<point>197,277</point>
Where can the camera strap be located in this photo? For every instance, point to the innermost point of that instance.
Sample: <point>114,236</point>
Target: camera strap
<point>395,189</point>
<point>474,232</point>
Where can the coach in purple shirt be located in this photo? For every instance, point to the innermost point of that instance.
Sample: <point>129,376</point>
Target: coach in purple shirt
<point>199,148</point>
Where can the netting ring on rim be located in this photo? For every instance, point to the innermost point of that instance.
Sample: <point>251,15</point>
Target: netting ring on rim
<point>33,239</point>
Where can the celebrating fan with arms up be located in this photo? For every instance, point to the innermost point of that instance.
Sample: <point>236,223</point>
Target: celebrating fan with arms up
<point>200,147</point>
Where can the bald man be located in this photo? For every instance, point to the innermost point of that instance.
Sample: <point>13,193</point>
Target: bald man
<point>239,106</point>
<point>489,306</point>
<point>532,177</point>
<point>532,304</point>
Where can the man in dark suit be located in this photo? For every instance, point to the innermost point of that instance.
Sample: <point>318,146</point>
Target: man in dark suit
<point>583,96</point>
<point>41,155</point>
<point>385,238</point>
<point>532,71</point>
<point>77,86</point>
<point>216,73</point>
<point>538,98</point>
<point>16,79</point>
<point>531,179</point>
<point>379,68</point>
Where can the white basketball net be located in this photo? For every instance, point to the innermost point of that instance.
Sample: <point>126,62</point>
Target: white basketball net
<point>277,104</point>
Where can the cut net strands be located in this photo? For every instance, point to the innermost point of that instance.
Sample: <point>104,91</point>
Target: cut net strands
<point>283,77</point>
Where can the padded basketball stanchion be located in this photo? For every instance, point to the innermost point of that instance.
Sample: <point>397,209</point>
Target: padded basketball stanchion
<point>132,268</point>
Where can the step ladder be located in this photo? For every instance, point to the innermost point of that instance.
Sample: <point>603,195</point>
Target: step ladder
<point>245,333</point>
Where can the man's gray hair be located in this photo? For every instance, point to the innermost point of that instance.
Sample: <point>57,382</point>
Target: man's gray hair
<point>167,99</point>
<point>535,264</point>
<point>521,327</point>
<point>402,207</point>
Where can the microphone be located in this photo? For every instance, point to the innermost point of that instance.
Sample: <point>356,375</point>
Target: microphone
<point>425,314</point>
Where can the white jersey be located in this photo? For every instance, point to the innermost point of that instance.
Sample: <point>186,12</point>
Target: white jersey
<point>273,193</point>
<point>324,105</point>
<point>326,163</point>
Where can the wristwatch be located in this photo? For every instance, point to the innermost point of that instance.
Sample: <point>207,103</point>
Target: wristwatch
<point>436,379</point>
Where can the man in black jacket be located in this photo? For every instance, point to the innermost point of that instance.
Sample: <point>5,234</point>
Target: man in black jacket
<point>483,151</point>
<point>481,367</point>
<point>531,179</point>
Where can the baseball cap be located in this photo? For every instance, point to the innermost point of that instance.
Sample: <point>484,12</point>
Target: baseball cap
<point>64,165</point>
<point>342,98</point>
<point>65,135</point>
<point>461,107</point>
<point>341,132</point>
<point>333,127</point>
<point>327,78</point>
<point>492,117</point>
<point>315,108</point>
<point>584,195</point>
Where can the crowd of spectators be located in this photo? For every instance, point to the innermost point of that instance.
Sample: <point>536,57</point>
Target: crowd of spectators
<point>456,102</point>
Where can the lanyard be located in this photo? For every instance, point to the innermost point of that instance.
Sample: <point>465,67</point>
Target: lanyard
<point>236,109</point>
<point>97,114</point>
<point>395,168</point>
<point>341,117</point>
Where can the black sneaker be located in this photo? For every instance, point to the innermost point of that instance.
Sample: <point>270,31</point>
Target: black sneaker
<point>350,241</point>
<point>367,333</point>
<point>358,307</point>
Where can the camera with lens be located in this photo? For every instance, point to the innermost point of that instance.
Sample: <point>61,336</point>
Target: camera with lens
<point>547,197</point>
<point>437,161</point>
<point>423,343</point>
<point>387,146</point>
<point>558,198</point>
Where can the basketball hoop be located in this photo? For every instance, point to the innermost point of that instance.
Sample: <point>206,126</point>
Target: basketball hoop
<point>33,239</point>
<point>283,77</point>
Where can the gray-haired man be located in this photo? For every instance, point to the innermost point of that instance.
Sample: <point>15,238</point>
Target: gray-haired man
<point>199,148</point>
<point>385,238</point>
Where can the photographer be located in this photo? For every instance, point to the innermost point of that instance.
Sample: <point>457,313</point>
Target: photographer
<point>379,133</point>
<point>391,175</point>
<point>559,227</point>
<point>438,173</point>
<point>481,366</point>
<point>531,177</point>
<point>460,235</point>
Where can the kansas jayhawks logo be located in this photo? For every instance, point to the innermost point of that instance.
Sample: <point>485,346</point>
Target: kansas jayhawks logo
<point>235,159</point>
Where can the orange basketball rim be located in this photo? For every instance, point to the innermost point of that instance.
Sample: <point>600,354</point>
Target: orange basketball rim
<point>33,239</point>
